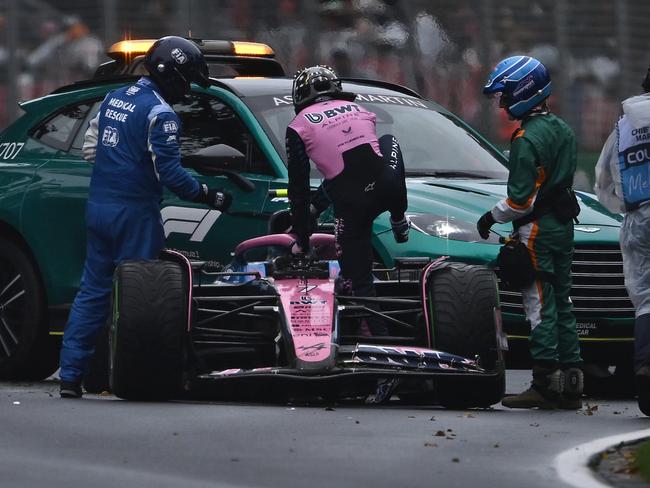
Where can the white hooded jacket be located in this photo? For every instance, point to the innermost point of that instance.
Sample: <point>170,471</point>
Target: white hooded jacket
<point>635,231</point>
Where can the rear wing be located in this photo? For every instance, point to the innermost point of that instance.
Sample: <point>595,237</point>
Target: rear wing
<point>224,58</point>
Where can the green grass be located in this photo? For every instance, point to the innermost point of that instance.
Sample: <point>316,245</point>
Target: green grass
<point>642,460</point>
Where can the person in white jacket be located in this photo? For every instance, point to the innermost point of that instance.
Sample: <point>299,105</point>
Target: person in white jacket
<point>623,186</point>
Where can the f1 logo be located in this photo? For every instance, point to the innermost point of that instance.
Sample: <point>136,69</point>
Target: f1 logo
<point>196,222</point>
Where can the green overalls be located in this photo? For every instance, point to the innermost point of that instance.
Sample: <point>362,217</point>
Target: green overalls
<point>543,161</point>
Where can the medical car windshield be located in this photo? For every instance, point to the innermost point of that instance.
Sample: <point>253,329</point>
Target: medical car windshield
<point>433,143</point>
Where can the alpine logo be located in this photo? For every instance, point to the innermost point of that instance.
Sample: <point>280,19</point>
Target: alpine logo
<point>306,288</point>
<point>110,136</point>
<point>195,222</point>
<point>179,56</point>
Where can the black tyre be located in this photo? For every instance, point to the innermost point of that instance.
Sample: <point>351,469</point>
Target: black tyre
<point>148,330</point>
<point>463,299</point>
<point>27,351</point>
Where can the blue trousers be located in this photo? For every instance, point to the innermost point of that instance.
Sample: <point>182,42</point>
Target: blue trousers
<point>115,232</point>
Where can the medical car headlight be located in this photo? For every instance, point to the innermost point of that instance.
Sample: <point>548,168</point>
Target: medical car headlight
<point>449,228</point>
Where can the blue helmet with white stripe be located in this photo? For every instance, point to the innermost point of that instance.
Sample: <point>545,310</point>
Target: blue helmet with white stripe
<point>523,82</point>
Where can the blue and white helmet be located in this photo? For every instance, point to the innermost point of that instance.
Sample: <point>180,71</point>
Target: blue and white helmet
<point>523,81</point>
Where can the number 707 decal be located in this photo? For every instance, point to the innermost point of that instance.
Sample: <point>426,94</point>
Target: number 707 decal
<point>9,150</point>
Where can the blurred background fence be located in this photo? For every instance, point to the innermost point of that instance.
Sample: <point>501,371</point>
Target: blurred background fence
<point>596,50</point>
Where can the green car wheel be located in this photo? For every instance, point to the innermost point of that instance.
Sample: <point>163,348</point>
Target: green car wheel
<point>27,351</point>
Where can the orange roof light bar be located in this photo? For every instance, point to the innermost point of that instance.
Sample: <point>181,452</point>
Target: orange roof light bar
<point>131,47</point>
<point>252,49</point>
<point>134,47</point>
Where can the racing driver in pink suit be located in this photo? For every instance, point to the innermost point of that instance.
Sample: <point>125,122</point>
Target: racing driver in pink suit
<point>363,176</point>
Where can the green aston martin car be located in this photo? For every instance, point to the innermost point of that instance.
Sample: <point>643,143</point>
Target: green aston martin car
<point>238,124</point>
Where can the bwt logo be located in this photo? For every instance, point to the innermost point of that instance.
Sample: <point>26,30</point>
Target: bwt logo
<point>318,117</point>
<point>196,222</point>
<point>110,136</point>
<point>179,56</point>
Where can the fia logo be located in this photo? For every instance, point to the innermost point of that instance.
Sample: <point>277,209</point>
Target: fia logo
<point>170,126</point>
<point>110,136</point>
<point>179,56</point>
<point>132,90</point>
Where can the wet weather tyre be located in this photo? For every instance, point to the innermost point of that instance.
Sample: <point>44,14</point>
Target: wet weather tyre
<point>462,299</point>
<point>27,351</point>
<point>148,338</point>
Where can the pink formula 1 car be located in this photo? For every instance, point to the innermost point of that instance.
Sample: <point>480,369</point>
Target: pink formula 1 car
<point>273,323</point>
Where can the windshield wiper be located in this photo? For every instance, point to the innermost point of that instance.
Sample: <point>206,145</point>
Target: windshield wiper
<point>448,174</point>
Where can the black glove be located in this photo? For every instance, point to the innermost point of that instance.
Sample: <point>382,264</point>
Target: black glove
<point>484,223</point>
<point>217,199</point>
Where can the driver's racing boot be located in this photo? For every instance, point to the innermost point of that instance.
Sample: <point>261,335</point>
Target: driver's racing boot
<point>573,382</point>
<point>400,229</point>
<point>544,391</point>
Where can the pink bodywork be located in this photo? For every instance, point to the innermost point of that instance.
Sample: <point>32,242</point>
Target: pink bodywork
<point>307,303</point>
<point>309,309</point>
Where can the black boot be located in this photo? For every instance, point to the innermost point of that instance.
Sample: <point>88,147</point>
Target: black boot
<point>70,389</point>
<point>544,391</point>
<point>573,383</point>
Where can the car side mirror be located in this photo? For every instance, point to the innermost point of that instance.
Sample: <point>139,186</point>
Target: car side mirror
<point>217,160</point>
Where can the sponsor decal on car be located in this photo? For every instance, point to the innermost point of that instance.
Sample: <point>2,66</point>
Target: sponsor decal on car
<point>9,150</point>
<point>195,222</point>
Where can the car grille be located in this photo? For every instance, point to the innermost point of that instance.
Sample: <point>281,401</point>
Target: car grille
<point>598,286</point>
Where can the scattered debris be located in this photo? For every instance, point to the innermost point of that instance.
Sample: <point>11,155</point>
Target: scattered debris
<point>16,403</point>
<point>496,445</point>
<point>590,409</point>
<point>432,419</point>
<point>440,433</point>
<point>430,444</point>
<point>330,409</point>
<point>455,460</point>
<point>535,424</point>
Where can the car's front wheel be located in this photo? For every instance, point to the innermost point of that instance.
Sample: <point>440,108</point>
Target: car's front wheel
<point>27,351</point>
<point>148,334</point>
<point>463,299</point>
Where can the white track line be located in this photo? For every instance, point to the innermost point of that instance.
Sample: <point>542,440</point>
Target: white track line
<point>572,464</point>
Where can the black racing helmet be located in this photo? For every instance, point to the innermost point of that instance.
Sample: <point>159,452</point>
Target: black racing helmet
<point>314,82</point>
<point>174,62</point>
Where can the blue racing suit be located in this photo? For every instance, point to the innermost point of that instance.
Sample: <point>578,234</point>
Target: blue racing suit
<point>134,143</point>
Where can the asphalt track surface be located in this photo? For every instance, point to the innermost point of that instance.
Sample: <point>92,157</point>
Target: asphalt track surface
<point>106,442</point>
